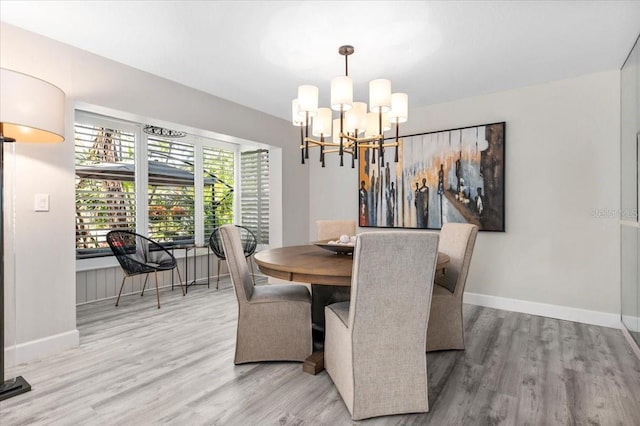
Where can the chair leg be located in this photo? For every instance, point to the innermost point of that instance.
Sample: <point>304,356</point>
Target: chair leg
<point>157,291</point>
<point>121,287</point>
<point>144,285</point>
<point>180,278</point>
<point>218,280</point>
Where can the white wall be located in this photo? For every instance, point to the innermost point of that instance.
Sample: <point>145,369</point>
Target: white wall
<point>562,162</point>
<point>45,251</point>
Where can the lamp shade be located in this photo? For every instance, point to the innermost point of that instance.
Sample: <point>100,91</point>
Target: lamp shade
<point>297,118</point>
<point>356,117</point>
<point>341,93</point>
<point>336,131</point>
<point>31,110</point>
<point>399,108</point>
<point>373,124</point>
<point>322,122</point>
<point>308,99</point>
<point>379,95</point>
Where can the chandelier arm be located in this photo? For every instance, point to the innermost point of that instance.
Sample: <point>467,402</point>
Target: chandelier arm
<point>395,160</point>
<point>306,143</point>
<point>381,142</point>
<point>321,143</point>
<point>355,143</point>
<point>341,130</point>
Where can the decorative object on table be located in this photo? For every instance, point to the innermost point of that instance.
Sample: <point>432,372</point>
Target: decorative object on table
<point>274,321</point>
<point>31,110</point>
<point>249,245</point>
<point>446,176</point>
<point>374,344</point>
<point>141,255</point>
<point>446,325</point>
<point>344,245</point>
<point>354,129</point>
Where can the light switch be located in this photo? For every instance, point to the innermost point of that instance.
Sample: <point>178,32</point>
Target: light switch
<point>41,202</point>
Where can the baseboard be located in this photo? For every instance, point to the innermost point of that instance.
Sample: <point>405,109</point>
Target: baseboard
<point>632,343</point>
<point>40,348</point>
<point>566,313</point>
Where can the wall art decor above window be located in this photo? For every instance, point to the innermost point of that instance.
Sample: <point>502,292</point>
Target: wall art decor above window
<point>453,175</point>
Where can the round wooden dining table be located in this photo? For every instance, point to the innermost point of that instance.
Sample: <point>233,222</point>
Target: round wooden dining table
<point>312,264</point>
<point>330,277</point>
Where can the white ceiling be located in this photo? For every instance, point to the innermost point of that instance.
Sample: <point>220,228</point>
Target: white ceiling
<point>256,53</point>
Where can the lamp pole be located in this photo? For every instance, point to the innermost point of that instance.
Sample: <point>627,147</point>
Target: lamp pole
<point>11,387</point>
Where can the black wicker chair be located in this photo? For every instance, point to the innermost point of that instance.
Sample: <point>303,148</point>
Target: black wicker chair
<point>249,245</point>
<point>141,255</point>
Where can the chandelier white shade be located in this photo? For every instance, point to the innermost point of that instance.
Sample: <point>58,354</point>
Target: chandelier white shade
<point>379,95</point>
<point>355,128</point>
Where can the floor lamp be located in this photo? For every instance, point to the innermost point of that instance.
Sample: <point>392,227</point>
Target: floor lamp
<point>31,110</point>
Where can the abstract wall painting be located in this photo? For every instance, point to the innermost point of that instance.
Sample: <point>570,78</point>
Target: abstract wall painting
<point>454,175</point>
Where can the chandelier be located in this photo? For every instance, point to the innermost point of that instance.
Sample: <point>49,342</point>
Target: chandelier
<point>355,128</point>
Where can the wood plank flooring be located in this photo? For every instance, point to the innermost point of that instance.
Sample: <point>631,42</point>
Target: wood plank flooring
<point>137,365</point>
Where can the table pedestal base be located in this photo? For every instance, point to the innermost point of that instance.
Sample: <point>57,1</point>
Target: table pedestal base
<point>321,296</point>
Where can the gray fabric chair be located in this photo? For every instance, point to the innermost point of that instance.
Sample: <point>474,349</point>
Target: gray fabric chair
<point>274,321</point>
<point>446,326</point>
<point>374,344</point>
<point>333,229</point>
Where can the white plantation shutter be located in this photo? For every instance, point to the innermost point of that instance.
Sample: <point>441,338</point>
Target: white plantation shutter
<point>171,192</point>
<point>254,193</point>
<point>105,189</point>
<point>218,188</point>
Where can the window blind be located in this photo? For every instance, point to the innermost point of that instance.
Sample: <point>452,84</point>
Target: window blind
<point>105,191</point>
<point>254,195</point>
<point>171,191</point>
<point>218,167</point>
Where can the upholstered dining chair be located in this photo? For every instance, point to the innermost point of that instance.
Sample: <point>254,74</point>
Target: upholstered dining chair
<point>249,244</point>
<point>374,344</point>
<point>446,325</point>
<point>274,321</point>
<point>333,229</point>
<point>140,255</point>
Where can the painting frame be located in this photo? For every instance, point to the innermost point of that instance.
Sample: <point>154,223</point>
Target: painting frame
<point>453,175</point>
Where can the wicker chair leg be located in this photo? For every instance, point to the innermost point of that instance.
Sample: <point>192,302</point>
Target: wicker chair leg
<point>144,285</point>
<point>157,291</point>
<point>180,278</point>
<point>121,287</point>
<point>218,280</point>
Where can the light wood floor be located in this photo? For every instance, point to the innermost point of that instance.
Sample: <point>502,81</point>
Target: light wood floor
<point>137,365</point>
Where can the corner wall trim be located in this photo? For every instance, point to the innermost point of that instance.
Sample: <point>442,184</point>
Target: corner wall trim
<point>40,348</point>
<point>566,313</point>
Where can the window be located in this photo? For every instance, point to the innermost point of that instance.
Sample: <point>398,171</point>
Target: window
<point>105,195</point>
<point>254,183</point>
<point>218,188</point>
<point>172,190</point>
